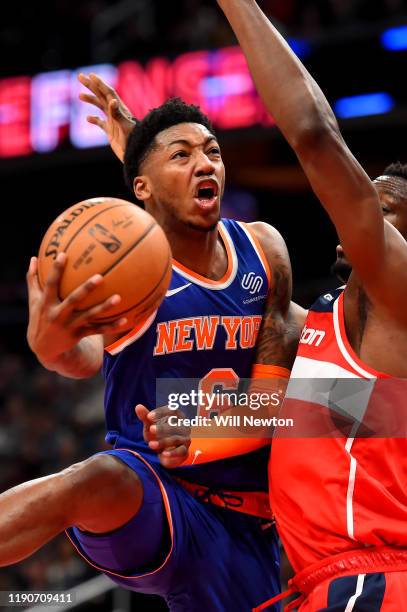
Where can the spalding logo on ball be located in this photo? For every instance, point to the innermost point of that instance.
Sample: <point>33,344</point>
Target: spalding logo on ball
<point>118,240</point>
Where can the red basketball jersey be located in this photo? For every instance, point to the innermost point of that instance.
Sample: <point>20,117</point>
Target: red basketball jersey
<point>338,481</point>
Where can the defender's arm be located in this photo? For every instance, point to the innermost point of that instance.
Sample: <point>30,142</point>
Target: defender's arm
<point>376,250</point>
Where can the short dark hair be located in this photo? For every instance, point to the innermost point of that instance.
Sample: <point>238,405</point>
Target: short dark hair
<point>396,169</point>
<point>141,139</point>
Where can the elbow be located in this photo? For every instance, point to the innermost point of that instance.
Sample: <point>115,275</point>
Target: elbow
<point>316,134</point>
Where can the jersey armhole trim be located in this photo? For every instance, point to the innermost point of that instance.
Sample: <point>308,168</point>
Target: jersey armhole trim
<point>345,347</point>
<point>258,248</point>
<point>131,336</point>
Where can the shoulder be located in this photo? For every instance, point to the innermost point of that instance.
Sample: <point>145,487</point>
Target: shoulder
<point>274,248</point>
<point>275,251</point>
<point>266,234</point>
<point>271,241</point>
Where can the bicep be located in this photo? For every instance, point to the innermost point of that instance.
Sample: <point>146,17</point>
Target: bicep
<point>348,196</point>
<point>276,253</point>
<point>279,333</point>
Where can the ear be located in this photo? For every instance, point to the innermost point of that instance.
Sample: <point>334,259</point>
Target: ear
<point>142,188</point>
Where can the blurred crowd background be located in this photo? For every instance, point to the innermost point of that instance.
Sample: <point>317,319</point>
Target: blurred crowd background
<point>69,33</point>
<point>48,422</point>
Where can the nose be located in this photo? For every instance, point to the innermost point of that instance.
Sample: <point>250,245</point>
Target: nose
<point>204,166</point>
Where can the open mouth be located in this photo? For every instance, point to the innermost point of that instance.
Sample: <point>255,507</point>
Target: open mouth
<point>206,194</point>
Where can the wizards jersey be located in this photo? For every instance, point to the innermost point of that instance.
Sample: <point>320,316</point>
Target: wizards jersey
<point>203,328</point>
<point>340,483</point>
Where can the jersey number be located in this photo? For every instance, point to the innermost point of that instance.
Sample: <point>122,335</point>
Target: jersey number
<point>213,391</point>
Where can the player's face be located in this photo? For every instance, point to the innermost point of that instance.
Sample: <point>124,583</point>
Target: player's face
<point>186,177</point>
<point>392,192</point>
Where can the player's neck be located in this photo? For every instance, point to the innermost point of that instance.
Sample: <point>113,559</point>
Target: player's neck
<point>353,284</point>
<point>201,252</point>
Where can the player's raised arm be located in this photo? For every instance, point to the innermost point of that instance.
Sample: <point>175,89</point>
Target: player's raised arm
<point>118,122</point>
<point>308,123</point>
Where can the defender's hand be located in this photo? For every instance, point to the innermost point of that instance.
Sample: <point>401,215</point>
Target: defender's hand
<point>170,442</point>
<point>118,122</point>
<point>56,326</point>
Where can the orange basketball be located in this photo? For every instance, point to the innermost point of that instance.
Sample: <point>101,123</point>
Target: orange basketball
<point>118,240</point>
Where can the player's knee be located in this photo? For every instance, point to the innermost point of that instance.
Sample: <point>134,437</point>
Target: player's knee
<point>106,493</point>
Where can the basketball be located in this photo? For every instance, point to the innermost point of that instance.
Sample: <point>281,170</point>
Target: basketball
<point>118,240</point>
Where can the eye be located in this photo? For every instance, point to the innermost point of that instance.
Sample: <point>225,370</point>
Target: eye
<point>385,210</point>
<point>214,151</point>
<point>179,154</point>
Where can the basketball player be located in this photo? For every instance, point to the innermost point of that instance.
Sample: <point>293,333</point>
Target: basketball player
<point>200,536</point>
<point>340,501</point>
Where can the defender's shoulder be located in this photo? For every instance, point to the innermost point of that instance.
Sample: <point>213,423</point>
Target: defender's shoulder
<point>325,303</point>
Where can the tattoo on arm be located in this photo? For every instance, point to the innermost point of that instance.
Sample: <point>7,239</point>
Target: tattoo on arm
<point>279,334</point>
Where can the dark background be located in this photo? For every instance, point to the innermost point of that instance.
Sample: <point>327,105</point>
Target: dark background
<point>46,422</point>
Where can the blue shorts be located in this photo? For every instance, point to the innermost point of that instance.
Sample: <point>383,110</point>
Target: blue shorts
<point>198,556</point>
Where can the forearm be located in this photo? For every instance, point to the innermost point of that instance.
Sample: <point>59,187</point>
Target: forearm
<point>287,89</point>
<point>82,361</point>
<point>305,118</point>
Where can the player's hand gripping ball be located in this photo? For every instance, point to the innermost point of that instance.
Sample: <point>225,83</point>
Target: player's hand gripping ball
<point>118,240</point>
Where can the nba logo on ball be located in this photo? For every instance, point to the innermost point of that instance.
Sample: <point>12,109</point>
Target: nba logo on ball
<point>102,235</point>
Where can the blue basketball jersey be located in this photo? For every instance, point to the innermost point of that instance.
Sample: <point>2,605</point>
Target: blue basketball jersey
<point>202,327</point>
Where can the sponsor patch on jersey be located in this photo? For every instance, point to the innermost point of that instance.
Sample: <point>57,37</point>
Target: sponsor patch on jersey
<point>312,337</point>
<point>252,283</point>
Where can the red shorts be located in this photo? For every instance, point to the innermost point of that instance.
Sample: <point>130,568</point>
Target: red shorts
<point>371,580</point>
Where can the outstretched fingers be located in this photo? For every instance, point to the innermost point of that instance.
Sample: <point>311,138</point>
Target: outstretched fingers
<point>100,87</point>
<point>95,120</point>
<point>159,414</point>
<point>96,312</point>
<point>143,413</point>
<point>33,284</point>
<point>115,111</point>
<point>169,443</point>
<point>51,287</point>
<point>110,328</point>
<point>84,322</point>
<point>90,99</point>
<point>78,295</point>
<point>99,94</point>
